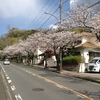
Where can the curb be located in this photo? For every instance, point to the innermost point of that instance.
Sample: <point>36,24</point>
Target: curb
<point>92,79</point>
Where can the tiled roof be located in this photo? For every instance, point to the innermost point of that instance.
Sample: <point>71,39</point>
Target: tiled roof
<point>87,44</point>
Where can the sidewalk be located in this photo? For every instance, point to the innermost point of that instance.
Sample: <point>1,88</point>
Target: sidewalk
<point>94,77</point>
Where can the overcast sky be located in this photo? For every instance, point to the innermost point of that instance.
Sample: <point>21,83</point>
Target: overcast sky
<point>28,14</point>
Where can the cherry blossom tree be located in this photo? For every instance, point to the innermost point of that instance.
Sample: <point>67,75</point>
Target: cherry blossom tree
<point>84,17</point>
<point>30,46</point>
<point>54,42</point>
<point>57,42</point>
<point>26,47</point>
<point>14,51</point>
<point>20,51</point>
<point>9,50</point>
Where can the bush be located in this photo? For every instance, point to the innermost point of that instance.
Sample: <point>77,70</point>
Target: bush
<point>72,60</point>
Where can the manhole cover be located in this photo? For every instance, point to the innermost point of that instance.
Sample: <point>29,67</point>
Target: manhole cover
<point>38,89</point>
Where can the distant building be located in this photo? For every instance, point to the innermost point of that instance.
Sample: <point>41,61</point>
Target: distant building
<point>13,29</point>
<point>92,3</point>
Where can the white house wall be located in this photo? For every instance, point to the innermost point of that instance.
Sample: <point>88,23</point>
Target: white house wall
<point>51,61</point>
<point>39,52</point>
<point>85,55</point>
<point>39,57</point>
<point>84,39</point>
<point>85,51</point>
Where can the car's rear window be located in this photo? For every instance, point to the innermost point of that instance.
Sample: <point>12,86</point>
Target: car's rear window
<point>6,59</point>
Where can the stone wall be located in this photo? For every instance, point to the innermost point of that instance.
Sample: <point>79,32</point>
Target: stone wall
<point>80,68</point>
<point>71,67</point>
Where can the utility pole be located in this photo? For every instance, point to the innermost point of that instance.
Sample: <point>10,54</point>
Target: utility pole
<point>59,24</point>
<point>60,50</point>
<point>60,12</point>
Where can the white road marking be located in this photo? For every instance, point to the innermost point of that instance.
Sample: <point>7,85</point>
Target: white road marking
<point>18,97</point>
<point>13,88</point>
<point>9,81</point>
<point>7,77</point>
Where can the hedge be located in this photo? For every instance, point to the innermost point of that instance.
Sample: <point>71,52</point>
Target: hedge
<point>72,60</point>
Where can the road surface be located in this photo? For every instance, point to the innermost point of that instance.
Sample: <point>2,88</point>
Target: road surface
<point>31,83</point>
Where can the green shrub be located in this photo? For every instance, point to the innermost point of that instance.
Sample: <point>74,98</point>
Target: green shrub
<point>72,60</point>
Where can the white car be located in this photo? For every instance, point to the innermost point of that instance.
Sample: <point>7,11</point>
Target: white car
<point>94,65</point>
<point>6,62</point>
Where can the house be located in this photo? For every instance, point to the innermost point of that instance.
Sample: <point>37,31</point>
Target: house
<point>88,47</point>
<point>51,61</point>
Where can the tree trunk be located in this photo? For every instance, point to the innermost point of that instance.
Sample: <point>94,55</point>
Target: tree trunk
<point>59,60</point>
<point>29,60</point>
<point>58,65</point>
<point>32,60</point>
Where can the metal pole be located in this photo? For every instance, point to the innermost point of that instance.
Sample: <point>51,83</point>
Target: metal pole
<point>60,12</point>
<point>60,28</point>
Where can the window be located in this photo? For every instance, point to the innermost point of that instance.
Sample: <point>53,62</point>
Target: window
<point>77,42</point>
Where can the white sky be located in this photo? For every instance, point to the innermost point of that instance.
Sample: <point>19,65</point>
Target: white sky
<point>15,8</point>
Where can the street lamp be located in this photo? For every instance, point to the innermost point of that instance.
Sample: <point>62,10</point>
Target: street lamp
<point>59,24</point>
<point>51,15</point>
<point>59,21</point>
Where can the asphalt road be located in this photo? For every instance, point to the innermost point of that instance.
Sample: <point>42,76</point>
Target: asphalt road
<point>29,83</point>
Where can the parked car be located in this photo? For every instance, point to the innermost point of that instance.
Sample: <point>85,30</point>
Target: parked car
<point>94,65</point>
<point>6,62</point>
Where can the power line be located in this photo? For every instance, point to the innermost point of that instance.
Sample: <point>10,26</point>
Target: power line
<point>64,3</point>
<point>43,14</point>
<point>52,13</point>
<point>48,18</point>
<point>89,7</point>
<point>38,13</point>
<point>94,4</point>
